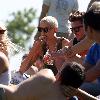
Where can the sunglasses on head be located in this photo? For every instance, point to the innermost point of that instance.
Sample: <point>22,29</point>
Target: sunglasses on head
<point>76,29</point>
<point>45,30</point>
<point>2,31</point>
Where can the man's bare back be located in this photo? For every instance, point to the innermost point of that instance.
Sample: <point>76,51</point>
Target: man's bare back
<point>41,86</point>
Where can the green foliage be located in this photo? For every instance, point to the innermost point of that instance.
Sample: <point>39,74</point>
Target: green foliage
<point>20,27</point>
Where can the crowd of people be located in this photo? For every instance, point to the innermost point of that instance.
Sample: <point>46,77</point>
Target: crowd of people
<point>63,63</point>
<point>60,9</point>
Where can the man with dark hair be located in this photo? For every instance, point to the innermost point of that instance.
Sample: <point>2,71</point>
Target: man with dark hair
<point>74,80</point>
<point>76,20</point>
<point>72,75</point>
<point>44,86</point>
<point>77,28</point>
<point>92,61</point>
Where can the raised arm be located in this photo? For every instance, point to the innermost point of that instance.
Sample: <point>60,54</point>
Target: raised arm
<point>81,46</point>
<point>32,56</point>
<point>69,52</point>
<point>70,91</point>
<point>92,72</point>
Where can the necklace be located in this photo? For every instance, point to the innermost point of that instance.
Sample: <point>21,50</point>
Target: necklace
<point>52,47</point>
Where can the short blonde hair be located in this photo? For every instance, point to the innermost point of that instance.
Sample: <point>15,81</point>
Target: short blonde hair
<point>52,21</point>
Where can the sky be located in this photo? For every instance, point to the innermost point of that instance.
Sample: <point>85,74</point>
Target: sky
<point>9,6</point>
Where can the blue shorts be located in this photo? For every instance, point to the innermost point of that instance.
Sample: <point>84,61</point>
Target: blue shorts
<point>2,94</point>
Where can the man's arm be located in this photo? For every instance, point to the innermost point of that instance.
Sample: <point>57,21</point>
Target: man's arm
<point>81,46</point>
<point>69,52</point>
<point>32,88</point>
<point>31,57</point>
<point>93,71</point>
<point>70,91</point>
<point>84,95</point>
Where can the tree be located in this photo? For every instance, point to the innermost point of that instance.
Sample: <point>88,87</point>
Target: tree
<point>20,27</point>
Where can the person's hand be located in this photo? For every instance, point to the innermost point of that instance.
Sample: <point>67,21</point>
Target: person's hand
<point>57,54</point>
<point>68,52</point>
<point>82,95</point>
<point>65,52</point>
<point>17,77</point>
<point>39,64</point>
<point>69,91</point>
<point>44,38</point>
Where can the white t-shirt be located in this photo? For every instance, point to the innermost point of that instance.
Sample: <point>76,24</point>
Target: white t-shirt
<point>61,9</point>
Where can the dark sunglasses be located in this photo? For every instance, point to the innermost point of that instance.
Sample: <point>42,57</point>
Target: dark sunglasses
<point>76,29</point>
<point>2,31</point>
<point>45,30</point>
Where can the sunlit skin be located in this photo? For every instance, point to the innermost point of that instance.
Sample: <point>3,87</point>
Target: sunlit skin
<point>93,34</point>
<point>51,40</point>
<point>50,34</point>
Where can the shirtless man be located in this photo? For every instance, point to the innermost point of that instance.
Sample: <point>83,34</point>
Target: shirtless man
<point>44,86</point>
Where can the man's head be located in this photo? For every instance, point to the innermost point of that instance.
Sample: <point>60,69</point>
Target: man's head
<point>92,22</point>
<point>76,20</point>
<point>47,25</point>
<point>4,63</point>
<point>72,74</point>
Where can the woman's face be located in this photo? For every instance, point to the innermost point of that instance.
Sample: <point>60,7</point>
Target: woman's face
<point>45,29</point>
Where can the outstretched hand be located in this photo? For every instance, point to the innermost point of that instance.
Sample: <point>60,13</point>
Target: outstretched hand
<point>65,52</point>
<point>69,91</point>
<point>17,77</point>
